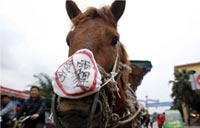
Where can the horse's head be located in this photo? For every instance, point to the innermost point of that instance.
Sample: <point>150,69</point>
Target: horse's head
<point>95,30</point>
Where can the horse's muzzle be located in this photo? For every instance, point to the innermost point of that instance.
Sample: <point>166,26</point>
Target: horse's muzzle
<point>76,113</point>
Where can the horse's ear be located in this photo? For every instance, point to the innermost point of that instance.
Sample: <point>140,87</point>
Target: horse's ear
<point>72,9</point>
<point>117,8</point>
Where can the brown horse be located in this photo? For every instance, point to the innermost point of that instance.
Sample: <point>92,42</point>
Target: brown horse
<point>115,105</point>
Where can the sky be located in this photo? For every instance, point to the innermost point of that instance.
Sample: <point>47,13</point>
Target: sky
<point>165,32</point>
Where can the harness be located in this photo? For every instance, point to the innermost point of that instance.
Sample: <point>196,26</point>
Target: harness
<point>111,119</point>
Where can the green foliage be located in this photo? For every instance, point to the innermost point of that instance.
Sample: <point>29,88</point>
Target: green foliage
<point>46,88</point>
<point>182,91</point>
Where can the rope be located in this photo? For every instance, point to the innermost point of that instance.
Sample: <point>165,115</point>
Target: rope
<point>111,119</point>
<point>131,117</point>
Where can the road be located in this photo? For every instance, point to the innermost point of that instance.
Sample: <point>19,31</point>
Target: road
<point>155,126</point>
<point>192,127</point>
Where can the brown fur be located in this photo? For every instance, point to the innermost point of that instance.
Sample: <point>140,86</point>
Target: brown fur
<point>99,43</point>
<point>95,30</point>
<point>91,13</point>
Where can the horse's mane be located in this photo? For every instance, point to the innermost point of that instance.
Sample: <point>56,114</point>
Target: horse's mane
<point>104,13</point>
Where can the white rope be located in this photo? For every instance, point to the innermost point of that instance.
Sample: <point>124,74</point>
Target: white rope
<point>109,80</point>
<point>113,73</point>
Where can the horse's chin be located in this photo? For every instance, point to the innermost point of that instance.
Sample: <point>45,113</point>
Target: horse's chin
<point>75,119</point>
<point>76,113</point>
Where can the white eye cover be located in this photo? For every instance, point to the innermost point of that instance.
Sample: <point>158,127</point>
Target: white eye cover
<point>78,76</point>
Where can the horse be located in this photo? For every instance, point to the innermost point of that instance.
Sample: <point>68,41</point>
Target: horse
<point>115,103</point>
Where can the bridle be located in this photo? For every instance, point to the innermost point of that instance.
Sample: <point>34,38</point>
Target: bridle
<point>111,78</point>
<point>118,67</point>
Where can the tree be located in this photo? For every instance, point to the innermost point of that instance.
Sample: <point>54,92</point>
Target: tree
<point>182,91</point>
<point>46,88</point>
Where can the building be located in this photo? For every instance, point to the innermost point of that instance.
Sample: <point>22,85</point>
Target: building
<point>16,94</point>
<point>192,66</point>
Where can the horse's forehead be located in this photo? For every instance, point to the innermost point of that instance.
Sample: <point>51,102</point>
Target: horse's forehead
<point>97,29</point>
<point>90,25</point>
